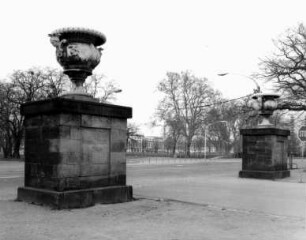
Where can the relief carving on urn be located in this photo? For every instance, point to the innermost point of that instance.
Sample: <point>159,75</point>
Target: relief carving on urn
<point>78,53</point>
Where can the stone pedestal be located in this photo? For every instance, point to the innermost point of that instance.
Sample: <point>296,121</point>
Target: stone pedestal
<point>264,153</point>
<point>74,153</point>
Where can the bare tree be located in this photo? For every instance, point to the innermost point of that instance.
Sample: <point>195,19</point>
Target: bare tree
<point>5,128</point>
<point>226,119</point>
<point>184,99</point>
<point>286,68</point>
<point>32,85</point>
<point>294,142</point>
<point>55,83</point>
<point>172,126</point>
<point>99,87</point>
<point>37,84</point>
<point>199,143</point>
<point>132,131</point>
<point>156,146</point>
<point>170,145</point>
<point>144,145</point>
<point>24,86</point>
<point>92,83</point>
<point>174,132</point>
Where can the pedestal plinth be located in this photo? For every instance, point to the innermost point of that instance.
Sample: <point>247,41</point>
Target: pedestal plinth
<point>264,153</point>
<point>74,153</point>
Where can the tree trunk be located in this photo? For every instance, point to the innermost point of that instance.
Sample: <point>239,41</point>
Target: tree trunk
<point>188,145</point>
<point>16,152</point>
<point>173,149</point>
<point>17,143</point>
<point>7,150</point>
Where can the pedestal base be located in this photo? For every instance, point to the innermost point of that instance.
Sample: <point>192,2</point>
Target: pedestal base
<point>264,153</point>
<point>76,198</point>
<point>264,174</point>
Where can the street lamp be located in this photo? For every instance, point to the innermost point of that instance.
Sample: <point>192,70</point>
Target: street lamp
<point>117,90</point>
<point>108,94</point>
<point>257,90</point>
<point>205,132</point>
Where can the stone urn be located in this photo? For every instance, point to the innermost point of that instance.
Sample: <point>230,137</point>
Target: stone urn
<point>78,53</point>
<point>265,103</point>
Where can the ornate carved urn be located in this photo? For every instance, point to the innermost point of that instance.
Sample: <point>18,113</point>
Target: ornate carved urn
<point>265,103</point>
<point>78,53</point>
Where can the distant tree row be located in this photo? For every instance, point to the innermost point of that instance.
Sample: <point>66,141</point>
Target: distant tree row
<point>37,84</point>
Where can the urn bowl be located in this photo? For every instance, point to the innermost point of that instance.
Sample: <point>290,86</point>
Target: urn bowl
<point>78,52</point>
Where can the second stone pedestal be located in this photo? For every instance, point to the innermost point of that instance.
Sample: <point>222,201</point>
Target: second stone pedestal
<point>264,153</point>
<point>75,153</point>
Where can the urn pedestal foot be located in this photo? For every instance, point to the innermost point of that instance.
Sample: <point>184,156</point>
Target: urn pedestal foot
<point>75,198</point>
<point>264,174</point>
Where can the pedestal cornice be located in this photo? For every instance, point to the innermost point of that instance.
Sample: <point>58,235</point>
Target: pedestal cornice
<point>64,105</point>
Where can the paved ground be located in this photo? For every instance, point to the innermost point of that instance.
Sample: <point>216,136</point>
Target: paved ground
<point>216,183</point>
<point>177,200</point>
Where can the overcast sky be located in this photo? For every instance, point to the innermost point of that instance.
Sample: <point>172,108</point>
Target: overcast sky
<point>145,39</point>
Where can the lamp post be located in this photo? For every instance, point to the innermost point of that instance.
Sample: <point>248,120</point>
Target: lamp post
<point>108,94</point>
<point>117,91</point>
<point>205,134</point>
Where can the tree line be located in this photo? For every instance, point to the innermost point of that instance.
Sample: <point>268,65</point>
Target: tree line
<point>35,84</point>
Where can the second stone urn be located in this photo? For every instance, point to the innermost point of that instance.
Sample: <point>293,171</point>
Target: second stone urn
<point>78,52</point>
<point>265,103</point>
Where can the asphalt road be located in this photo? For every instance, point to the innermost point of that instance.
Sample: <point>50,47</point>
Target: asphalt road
<point>217,184</point>
<point>213,183</point>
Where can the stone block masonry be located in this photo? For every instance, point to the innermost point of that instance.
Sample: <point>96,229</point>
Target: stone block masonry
<point>264,153</point>
<point>75,149</point>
